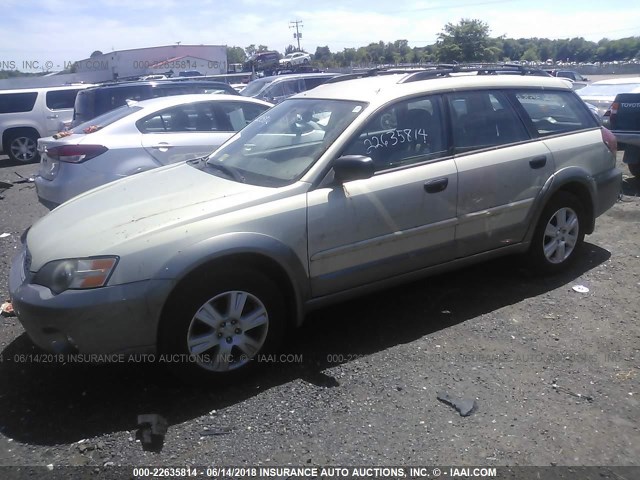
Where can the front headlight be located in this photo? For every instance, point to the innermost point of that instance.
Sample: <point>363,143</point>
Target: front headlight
<point>76,274</point>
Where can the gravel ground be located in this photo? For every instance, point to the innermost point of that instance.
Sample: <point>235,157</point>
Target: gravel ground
<point>554,374</point>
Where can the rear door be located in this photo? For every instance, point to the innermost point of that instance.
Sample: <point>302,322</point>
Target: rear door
<point>193,130</point>
<point>501,170</point>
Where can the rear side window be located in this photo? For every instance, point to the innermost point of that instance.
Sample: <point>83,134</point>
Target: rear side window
<point>17,102</point>
<point>555,112</point>
<point>61,99</point>
<point>483,119</point>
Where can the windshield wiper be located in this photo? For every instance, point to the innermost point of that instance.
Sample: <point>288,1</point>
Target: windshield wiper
<point>229,171</point>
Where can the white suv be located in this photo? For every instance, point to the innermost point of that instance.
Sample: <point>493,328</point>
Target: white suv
<point>30,113</point>
<point>340,190</point>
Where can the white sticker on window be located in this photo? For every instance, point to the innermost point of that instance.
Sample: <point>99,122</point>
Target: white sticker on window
<point>356,109</point>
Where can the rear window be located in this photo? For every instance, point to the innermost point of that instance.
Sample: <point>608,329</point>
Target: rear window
<point>17,102</point>
<point>61,99</point>
<point>555,112</point>
<point>105,119</point>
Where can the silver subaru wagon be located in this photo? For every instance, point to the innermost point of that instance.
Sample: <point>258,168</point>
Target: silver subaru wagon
<point>350,187</point>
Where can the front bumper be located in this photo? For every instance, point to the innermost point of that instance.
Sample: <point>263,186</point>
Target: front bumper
<point>113,319</point>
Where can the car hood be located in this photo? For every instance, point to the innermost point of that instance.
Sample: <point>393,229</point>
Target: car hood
<point>109,219</point>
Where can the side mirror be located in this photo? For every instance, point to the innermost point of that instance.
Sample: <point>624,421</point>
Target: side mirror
<point>353,167</point>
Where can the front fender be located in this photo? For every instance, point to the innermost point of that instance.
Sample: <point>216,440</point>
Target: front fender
<point>237,244</point>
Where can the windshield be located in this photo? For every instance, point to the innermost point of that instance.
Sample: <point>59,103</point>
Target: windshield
<point>105,119</point>
<point>278,147</point>
<point>255,87</point>
<point>607,90</point>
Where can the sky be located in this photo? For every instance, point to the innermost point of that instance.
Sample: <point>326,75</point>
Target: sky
<point>59,32</point>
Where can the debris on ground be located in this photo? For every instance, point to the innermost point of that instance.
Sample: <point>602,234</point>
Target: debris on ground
<point>580,289</point>
<point>216,431</point>
<point>23,179</point>
<point>151,432</point>
<point>561,389</point>
<point>6,310</point>
<point>4,235</point>
<point>464,406</point>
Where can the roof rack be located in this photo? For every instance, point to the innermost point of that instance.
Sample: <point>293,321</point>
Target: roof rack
<point>444,70</point>
<point>374,72</point>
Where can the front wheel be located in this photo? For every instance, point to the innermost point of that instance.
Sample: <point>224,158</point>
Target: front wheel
<point>559,234</point>
<point>216,327</point>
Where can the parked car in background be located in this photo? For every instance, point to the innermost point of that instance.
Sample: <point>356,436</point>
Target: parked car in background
<point>623,119</point>
<point>570,74</point>
<point>263,62</point>
<point>294,59</point>
<point>101,99</point>
<point>136,137</point>
<point>30,113</point>
<point>341,190</point>
<point>601,94</point>
<point>276,88</point>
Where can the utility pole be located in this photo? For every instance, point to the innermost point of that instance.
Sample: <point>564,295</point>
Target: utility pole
<point>296,24</point>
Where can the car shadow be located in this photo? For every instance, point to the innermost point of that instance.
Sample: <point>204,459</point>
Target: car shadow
<point>55,403</point>
<point>6,162</point>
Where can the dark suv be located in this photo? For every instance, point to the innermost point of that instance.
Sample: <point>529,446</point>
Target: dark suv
<point>263,62</point>
<point>98,100</point>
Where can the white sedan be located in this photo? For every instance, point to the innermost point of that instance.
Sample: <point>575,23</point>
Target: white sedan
<point>136,137</point>
<point>295,58</point>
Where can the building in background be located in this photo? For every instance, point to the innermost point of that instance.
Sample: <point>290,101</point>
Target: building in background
<point>133,63</point>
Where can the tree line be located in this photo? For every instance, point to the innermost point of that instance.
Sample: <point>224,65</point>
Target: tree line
<point>467,41</point>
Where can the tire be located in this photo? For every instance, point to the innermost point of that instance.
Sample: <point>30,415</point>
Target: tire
<point>305,61</point>
<point>22,146</point>
<point>631,158</point>
<point>559,234</point>
<point>203,337</point>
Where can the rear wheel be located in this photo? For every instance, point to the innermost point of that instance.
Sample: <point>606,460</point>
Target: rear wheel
<point>634,168</point>
<point>632,159</point>
<point>558,235</point>
<point>215,327</point>
<point>22,146</point>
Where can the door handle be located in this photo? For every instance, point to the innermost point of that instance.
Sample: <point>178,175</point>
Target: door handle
<point>52,116</point>
<point>437,185</point>
<point>538,162</point>
<point>162,146</point>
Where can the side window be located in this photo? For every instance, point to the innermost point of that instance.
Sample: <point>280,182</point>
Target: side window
<point>238,115</point>
<point>314,82</point>
<point>484,119</point>
<point>175,119</point>
<point>61,99</point>
<point>291,87</point>
<point>554,112</point>
<point>17,102</point>
<point>410,131</point>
